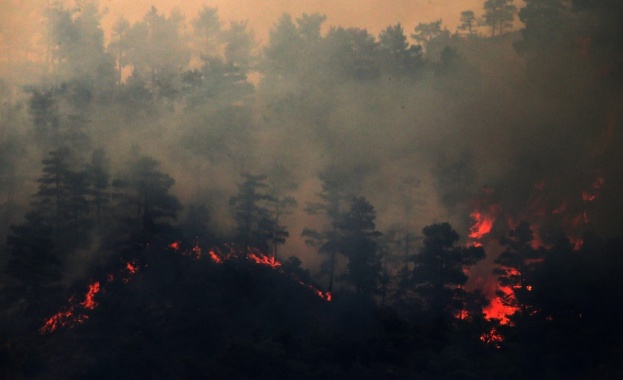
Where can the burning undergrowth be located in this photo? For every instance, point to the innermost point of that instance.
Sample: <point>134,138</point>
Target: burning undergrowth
<point>77,311</point>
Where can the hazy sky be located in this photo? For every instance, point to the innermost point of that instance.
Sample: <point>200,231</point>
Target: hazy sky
<point>262,14</point>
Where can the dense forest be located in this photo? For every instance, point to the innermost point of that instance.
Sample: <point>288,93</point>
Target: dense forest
<point>178,200</point>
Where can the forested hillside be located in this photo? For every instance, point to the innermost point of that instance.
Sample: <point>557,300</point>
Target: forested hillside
<point>179,200</point>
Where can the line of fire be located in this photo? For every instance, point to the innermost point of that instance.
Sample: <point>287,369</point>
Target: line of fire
<point>185,196</point>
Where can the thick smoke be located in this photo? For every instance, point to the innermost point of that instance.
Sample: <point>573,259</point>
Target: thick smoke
<point>485,122</point>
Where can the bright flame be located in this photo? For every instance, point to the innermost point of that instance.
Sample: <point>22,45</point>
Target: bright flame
<point>215,257</point>
<point>498,310</point>
<point>483,223</point>
<point>264,260</point>
<point>68,317</point>
<point>492,337</point>
<point>218,257</point>
<point>89,302</point>
<point>132,268</point>
<point>60,319</point>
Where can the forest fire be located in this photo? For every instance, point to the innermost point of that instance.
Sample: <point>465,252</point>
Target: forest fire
<point>483,223</point>
<point>497,309</point>
<point>89,302</point>
<point>73,314</point>
<point>214,257</point>
<point>570,214</point>
<point>253,255</point>
<point>132,268</point>
<point>264,260</point>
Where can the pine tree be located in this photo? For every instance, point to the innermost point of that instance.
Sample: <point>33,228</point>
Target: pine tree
<point>439,271</point>
<point>327,241</point>
<point>516,265</point>
<point>255,225</point>
<point>499,15</point>
<point>144,206</point>
<point>359,244</point>
<point>33,261</point>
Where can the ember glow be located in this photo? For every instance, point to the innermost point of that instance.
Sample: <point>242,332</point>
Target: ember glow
<point>214,257</point>
<point>89,302</point>
<point>219,256</point>
<point>264,260</point>
<point>498,310</point>
<point>74,313</point>
<point>483,223</point>
<point>132,268</point>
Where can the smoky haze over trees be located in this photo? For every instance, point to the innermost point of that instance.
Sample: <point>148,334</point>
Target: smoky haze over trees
<point>331,203</point>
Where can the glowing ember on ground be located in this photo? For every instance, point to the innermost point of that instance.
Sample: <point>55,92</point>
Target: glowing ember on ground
<point>75,312</point>
<point>89,302</point>
<point>264,260</point>
<point>71,315</point>
<point>60,319</point>
<point>254,255</point>
<point>577,242</point>
<point>214,257</point>
<point>132,268</point>
<point>492,337</point>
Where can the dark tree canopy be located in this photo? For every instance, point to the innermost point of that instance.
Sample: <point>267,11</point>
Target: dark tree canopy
<point>439,272</point>
<point>516,265</point>
<point>359,244</point>
<point>256,225</point>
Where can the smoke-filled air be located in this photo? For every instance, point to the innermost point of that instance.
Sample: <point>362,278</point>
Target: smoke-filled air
<point>311,190</point>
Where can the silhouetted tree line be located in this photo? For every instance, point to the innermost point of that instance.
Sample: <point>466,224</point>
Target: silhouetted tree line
<point>564,299</point>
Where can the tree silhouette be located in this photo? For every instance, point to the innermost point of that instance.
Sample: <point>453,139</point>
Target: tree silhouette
<point>33,261</point>
<point>395,50</point>
<point>255,225</point>
<point>468,23</point>
<point>62,199</point>
<point>351,53</point>
<point>439,272</point>
<point>98,178</point>
<point>499,15</point>
<point>328,240</point>
<point>426,32</point>
<point>358,243</point>
<point>516,264</point>
<point>144,206</point>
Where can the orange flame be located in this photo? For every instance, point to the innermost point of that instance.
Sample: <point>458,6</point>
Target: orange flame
<point>68,317</point>
<point>89,302</point>
<point>59,319</point>
<point>255,256</point>
<point>498,310</point>
<point>492,337</point>
<point>264,260</point>
<point>483,223</point>
<point>132,268</point>
<point>215,257</point>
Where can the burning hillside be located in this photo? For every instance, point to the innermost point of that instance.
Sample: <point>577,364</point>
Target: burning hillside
<point>425,200</point>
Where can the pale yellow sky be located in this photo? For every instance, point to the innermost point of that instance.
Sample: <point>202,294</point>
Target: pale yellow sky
<point>22,23</point>
<point>262,14</point>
